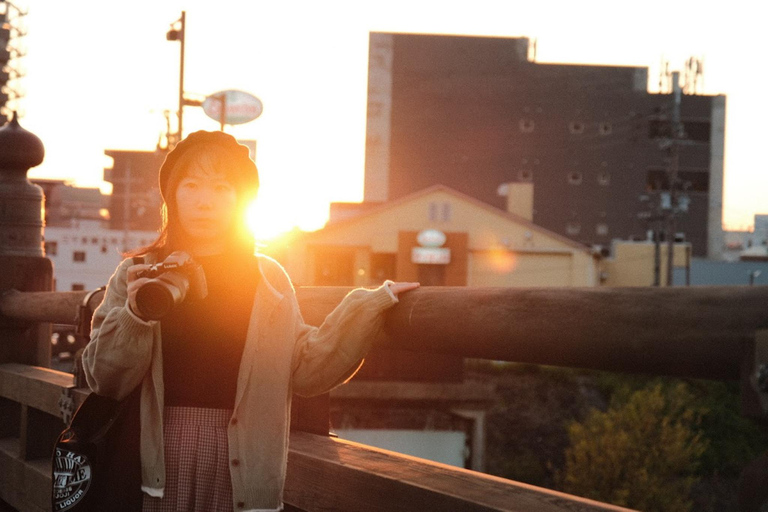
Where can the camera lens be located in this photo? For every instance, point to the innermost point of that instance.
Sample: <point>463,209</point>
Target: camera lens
<point>156,297</point>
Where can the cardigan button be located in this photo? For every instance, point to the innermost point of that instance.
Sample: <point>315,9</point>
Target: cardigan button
<point>235,462</point>
<point>240,504</point>
<point>234,421</point>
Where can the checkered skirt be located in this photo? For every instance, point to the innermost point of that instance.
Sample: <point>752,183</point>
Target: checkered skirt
<point>196,462</point>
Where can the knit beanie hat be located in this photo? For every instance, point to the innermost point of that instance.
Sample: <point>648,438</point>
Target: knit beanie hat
<point>246,169</point>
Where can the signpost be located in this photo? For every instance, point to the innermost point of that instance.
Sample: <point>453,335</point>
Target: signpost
<point>232,107</point>
<point>431,252</point>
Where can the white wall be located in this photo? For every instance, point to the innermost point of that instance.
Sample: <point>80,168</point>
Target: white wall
<point>101,248</point>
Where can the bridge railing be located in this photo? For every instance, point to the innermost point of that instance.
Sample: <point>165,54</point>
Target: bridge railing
<point>715,333</point>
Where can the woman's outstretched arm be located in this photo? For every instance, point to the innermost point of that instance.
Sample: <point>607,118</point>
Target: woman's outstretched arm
<point>330,354</point>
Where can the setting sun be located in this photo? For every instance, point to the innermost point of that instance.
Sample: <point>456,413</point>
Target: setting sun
<point>270,216</point>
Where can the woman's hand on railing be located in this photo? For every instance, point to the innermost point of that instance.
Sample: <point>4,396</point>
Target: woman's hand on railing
<point>396,288</point>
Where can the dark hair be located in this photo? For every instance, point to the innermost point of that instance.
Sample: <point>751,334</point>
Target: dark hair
<point>214,156</point>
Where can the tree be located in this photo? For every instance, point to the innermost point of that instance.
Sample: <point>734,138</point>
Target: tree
<point>640,454</point>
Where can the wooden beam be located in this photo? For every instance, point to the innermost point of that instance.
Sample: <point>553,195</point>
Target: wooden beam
<point>24,484</point>
<point>53,307</point>
<point>332,474</point>
<point>39,388</point>
<point>687,332</point>
<point>684,331</point>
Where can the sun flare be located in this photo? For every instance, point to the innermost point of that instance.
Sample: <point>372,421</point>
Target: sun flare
<point>268,217</point>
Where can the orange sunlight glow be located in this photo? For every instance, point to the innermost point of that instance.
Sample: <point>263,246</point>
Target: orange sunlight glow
<point>270,216</point>
<point>502,261</point>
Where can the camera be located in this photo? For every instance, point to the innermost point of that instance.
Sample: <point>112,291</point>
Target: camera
<point>169,284</point>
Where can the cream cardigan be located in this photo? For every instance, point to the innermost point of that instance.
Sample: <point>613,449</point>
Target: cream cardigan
<point>282,355</point>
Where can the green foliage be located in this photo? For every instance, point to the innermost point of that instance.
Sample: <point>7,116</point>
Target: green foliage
<point>735,440</point>
<point>642,453</point>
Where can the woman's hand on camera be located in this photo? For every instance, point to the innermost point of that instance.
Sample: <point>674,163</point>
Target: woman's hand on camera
<point>134,283</point>
<point>396,288</point>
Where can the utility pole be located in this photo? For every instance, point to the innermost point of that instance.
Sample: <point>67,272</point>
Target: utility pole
<point>178,34</point>
<point>672,172</point>
<point>655,217</point>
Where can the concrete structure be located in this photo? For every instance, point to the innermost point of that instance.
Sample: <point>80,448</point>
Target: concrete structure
<point>474,113</point>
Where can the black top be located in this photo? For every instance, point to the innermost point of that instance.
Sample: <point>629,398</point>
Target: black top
<point>203,340</point>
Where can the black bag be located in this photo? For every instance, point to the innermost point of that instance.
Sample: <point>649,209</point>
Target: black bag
<point>96,460</point>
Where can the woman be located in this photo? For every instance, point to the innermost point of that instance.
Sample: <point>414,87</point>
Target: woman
<point>217,373</point>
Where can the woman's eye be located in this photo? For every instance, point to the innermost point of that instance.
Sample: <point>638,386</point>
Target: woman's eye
<point>223,188</point>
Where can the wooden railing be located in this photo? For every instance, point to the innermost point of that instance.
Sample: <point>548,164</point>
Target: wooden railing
<point>714,333</point>
<point>324,473</point>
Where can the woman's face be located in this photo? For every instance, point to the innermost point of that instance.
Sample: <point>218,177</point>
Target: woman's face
<point>206,203</point>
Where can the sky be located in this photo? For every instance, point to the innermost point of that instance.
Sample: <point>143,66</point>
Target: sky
<point>99,75</point>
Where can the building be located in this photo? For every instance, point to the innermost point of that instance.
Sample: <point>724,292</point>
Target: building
<point>632,263</point>
<point>474,113</point>
<point>746,245</point>
<point>486,246</point>
<point>65,203</point>
<point>78,239</point>
<point>135,201</point>
<point>705,272</point>
<point>86,253</point>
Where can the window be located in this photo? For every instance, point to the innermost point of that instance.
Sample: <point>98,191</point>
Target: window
<point>51,248</point>
<point>94,241</point>
<point>601,229</point>
<point>691,181</point>
<point>440,212</point>
<point>446,212</point>
<point>575,178</point>
<point>573,228</point>
<point>84,240</point>
<point>697,130</point>
<point>78,256</point>
<point>576,127</point>
<point>77,287</point>
<point>103,249</point>
<point>526,125</point>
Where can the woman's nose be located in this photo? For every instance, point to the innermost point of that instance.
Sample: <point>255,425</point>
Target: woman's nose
<point>204,199</point>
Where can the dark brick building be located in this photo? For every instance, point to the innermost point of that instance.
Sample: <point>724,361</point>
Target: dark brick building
<point>474,113</point>
<point>135,202</point>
